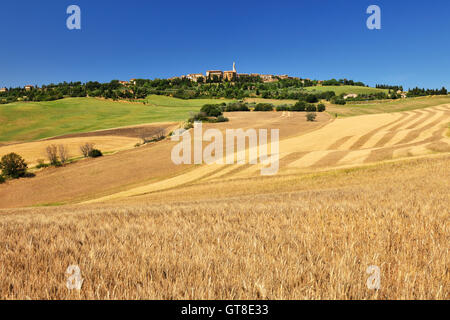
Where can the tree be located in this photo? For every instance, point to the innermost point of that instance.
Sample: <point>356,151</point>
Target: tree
<point>321,107</point>
<point>299,106</point>
<point>211,110</point>
<point>95,153</point>
<point>311,108</point>
<point>311,116</point>
<point>13,166</point>
<point>52,154</point>
<point>63,153</point>
<point>86,148</point>
<point>311,98</point>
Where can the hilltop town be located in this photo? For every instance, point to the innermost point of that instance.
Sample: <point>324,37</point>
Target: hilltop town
<point>233,75</point>
<point>227,84</point>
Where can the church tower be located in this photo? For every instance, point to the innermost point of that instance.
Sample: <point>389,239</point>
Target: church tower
<point>234,66</point>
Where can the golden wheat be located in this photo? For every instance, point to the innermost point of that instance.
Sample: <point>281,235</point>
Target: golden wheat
<point>286,237</point>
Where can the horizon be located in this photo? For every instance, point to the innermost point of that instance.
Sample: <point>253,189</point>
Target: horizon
<point>120,41</point>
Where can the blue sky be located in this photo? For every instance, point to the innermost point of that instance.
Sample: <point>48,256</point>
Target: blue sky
<point>158,39</point>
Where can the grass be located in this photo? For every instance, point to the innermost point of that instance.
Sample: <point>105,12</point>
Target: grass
<point>165,101</point>
<point>346,89</point>
<point>38,120</point>
<point>312,238</point>
<point>387,106</point>
<point>275,102</point>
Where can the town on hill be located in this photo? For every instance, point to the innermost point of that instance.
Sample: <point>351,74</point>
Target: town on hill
<point>217,84</point>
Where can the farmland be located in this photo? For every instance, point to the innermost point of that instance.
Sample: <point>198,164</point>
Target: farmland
<point>31,121</point>
<point>286,237</point>
<point>346,89</point>
<point>386,106</point>
<point>369,187</point>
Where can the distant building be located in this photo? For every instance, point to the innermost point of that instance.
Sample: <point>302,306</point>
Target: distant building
<point>211,73</point>
<point>124,83</point>
<point>133,81</point>
<point>29,87</point>
<point>230,75</point>
<point>195,76</point>
<point>283,76</point>
<point>3,90</point>
<point>351,95</point>
<point>268,78</point>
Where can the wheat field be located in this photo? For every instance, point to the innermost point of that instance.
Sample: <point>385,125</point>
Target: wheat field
<point>340,143</point>
<point>308,236</point>
<point>351,193</point>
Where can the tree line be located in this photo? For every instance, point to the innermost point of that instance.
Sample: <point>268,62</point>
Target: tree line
<point>418,92</point>
<point>250,86</point>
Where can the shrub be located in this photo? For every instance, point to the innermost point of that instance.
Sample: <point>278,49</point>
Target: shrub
<point>338,100</point>
<point>86,148</point>
<point>311,98</point>
<point>311,108</point>
<point>235,107</point>
<point>283,107</point>
<point>222,119</point>
<point>200,116</point>
<point>95,153</point>
<point>211,110</point>
<point>2,179</point>
<point>158,136</point>
<point>299,106</point>
<point>264,107</point>
<point>311,116</point>
<point>41,164</point>
<point>321,107</point>
<point>13,166</point>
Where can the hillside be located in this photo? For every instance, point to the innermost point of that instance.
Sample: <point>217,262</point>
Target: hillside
<point>304,147</point>
<point>346,89</point>
<point>38,120</point>
<point>386,106</point>
<point>351,192</point>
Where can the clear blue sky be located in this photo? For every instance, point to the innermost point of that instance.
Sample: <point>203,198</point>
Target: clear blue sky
<point>158,39</point>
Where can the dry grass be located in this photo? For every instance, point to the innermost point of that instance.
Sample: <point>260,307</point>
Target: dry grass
<point>312,238</point>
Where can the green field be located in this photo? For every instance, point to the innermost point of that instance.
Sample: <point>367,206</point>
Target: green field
<point>387,106</point>
<point>37,120</point>
<point>165,101</point>
<point>346,89</point>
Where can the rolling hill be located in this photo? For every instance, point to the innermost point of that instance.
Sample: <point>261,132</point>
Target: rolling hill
<point>37,120</point>
<point>346,89</point>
